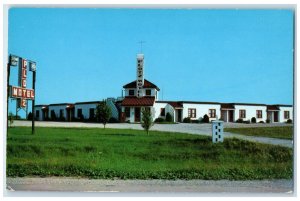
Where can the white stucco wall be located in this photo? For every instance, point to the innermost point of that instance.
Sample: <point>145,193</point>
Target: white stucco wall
<point>201,110</point>
<point>156,109</point>
<point>56,109</point>
<point>113,109</point>
<point>153,91</point>
<point>250,112</point>
<point>85,109</point>
<point>38,108</point>
<point>281,113</point>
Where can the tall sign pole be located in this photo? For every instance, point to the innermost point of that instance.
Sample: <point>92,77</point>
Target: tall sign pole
<point>32,68</point>
<point>12,61</point>
<point>20,92</point>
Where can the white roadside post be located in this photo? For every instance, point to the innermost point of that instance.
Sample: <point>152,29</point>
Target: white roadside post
<point>217,131</point>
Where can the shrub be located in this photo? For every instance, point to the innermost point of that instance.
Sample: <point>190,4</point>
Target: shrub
<point>113,120</point>
<point>289,121</point>
<point>11,119</point>
<point>62,118</point>
<point>253,120</point>
<point>262,122</point>
<point>187,120</point>
<point>246,122</point>
<point>159,120</point>
<point>239,121</point>
<point>29,116</point>
<point>169,117</point>
<point>205,119</point>
<point>268,121</point>
<point>196,121</point>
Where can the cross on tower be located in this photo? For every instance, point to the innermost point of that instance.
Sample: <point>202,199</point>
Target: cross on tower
<point>141,42</point>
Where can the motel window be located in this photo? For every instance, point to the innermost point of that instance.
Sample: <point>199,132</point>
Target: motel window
<point>162,111</point>
<point>37,114</point>
<point>79,113</point>
<point>192,112</point>
<point>127,111</point>
<point>92,113</point>
<point>61,113</point>
<point>258,113</point>
<point>131,92</point>
<point>53,115</point>
<point>286,114</point>
<point>148,92</point>
<point>212,113</point>
<point>242,114</point>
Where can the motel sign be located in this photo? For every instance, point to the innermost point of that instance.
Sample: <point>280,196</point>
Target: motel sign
<point>140,75</point>
<point>21,93</point>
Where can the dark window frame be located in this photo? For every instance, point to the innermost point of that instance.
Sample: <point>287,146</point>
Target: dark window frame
<point>37,113</point>
<point>259,114</point>
<point>127,112</point>
<point>212,113</point>
<point>61,113</point>
<point>242,114</point>
<point>286,114</point>
<point>148,90</point>
<point>131,92</point>
<point>92,116</point>
<point>162,111</point>
<point>192,113</point>
<point>79,112</point>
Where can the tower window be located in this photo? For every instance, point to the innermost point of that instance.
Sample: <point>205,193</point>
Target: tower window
<point>148,92</point>
<point>131,92</point>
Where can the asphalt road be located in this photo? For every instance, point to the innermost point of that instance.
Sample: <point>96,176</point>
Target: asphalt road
<point>283,187</point>
<point>198,129</point>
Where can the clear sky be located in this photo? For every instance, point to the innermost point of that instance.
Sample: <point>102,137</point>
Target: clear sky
<point>195,55</point>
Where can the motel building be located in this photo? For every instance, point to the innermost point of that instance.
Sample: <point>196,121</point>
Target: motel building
<point>142,93</point>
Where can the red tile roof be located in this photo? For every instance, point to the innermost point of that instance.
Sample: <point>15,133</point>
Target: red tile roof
<point>134,101</point>
<point>147,84</point>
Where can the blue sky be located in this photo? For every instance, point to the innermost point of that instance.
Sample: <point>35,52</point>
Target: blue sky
<point>196,55</point>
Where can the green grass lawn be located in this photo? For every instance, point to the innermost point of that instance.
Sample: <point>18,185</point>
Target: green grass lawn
<point>283,132</point>
<point>131,154</point>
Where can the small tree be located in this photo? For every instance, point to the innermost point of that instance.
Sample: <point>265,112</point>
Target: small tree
<point>205,119</point>
<point>147,120</point>
<point>10,119</point>
<point>103,113</point>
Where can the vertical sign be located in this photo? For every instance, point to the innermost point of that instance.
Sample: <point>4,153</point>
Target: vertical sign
<point>140,75</point>
<point>22,80</point>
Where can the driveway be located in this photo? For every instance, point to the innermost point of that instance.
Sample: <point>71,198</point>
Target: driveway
<point>198,129</point>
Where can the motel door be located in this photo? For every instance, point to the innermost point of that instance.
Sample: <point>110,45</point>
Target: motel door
<point>276,116</point>
<point>230,116</point>
<point>137,114</point>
